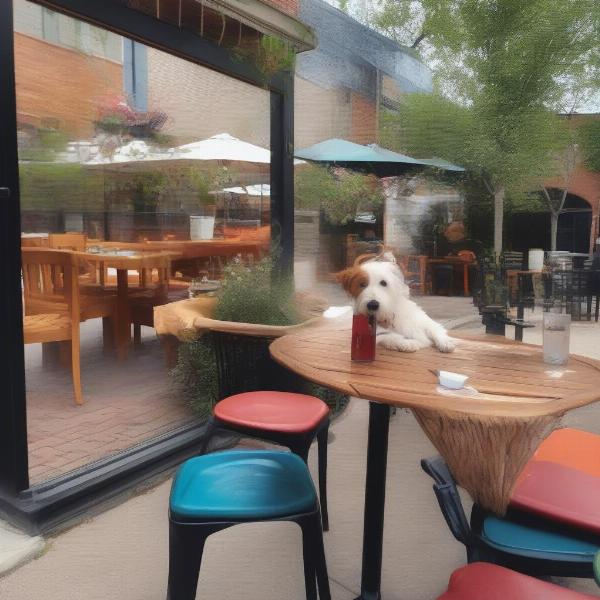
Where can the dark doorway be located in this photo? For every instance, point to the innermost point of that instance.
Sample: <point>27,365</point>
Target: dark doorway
<point>532,229</point>
<point>575,225</point>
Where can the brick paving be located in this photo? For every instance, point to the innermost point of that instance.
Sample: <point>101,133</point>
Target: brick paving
<point>124,404</point>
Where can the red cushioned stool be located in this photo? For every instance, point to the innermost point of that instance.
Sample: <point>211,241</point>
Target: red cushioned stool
<point>290,419</point>
<point>561,482</point>
<point>484,581</point>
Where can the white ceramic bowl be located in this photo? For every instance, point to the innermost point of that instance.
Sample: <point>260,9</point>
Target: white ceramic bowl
<point>452,381</point>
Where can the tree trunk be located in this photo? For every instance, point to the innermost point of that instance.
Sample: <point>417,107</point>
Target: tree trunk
<point>553,229</point>
<point>498,220</point>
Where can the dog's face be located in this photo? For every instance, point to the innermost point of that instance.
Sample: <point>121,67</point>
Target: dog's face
<point>376,285</point>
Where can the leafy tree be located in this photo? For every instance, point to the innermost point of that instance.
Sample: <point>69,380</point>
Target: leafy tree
<point>589,135</point>
<point>503,68</point>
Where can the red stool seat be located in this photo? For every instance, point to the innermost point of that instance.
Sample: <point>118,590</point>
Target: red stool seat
<point>562,480</point>
<point>274,411</point>
<point>485,581</point>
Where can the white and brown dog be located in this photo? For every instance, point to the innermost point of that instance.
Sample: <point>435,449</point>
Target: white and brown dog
<point>376,285</point>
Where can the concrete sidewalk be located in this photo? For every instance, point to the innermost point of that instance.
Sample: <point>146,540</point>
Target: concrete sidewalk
<point>122,553</point>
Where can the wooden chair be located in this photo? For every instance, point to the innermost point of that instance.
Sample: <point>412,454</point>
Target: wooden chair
<point>155,289</point>
<point>414,268</point>
<point>52,276</point>
<point>68,241</point>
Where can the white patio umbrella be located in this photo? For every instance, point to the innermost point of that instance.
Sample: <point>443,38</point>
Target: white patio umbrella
<point>223,146</point>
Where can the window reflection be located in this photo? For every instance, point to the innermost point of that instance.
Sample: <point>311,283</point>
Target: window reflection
<point>143,175</point>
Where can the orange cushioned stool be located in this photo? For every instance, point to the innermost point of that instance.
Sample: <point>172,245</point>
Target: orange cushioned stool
<point>561,482</point>
<point>484,581</point>
<point>285,418</point>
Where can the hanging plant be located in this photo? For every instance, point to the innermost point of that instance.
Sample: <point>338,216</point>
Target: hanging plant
<point>270,55</point>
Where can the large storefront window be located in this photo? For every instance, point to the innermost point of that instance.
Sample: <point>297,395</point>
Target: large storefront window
<point>150,174</point>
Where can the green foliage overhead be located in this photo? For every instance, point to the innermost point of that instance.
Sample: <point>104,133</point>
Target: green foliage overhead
<point>340,193</point>
<point>503,69</point>
<point>550,44</point>
<point>514,150</point>
<point>589,136</point>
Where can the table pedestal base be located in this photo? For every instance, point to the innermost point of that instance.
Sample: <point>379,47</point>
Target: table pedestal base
<point>506,444</point>
<point>379,421</point>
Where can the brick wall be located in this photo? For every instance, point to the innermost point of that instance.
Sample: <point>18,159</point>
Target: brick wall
<point>320,113</point>
<point>61,84</point>
<point>586,185</point>
<point>200,102</point>
<point>288,6</point>
<point>364,120</point>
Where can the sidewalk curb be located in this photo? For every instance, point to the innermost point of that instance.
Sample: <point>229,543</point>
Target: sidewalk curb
<point>17,548</point>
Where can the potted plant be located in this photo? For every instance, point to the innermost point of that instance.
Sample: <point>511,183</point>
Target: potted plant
<point>229,353</point>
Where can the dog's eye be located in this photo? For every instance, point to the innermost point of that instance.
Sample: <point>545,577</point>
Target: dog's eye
<point>363,284</point>
<point>383,282</point>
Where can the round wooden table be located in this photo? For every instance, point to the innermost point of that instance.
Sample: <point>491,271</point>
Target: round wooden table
<point>486,435</point>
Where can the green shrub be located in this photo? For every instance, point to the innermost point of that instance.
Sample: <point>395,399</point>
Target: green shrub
<point>248,295</point>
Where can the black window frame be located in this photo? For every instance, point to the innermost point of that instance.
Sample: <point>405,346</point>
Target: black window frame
<point>47,506</point>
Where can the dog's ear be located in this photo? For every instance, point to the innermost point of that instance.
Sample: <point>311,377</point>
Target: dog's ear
<point>345,278</point>
<point>352,279</point>
<point>363,258</point>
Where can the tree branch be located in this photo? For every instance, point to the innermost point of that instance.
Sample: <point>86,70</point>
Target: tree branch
<point>419,39</point>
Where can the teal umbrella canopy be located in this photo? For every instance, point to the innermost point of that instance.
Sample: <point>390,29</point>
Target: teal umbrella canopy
<point>440,163</point>
<point>371,158</point>
<point>337,150</point>
<point>395,157</point>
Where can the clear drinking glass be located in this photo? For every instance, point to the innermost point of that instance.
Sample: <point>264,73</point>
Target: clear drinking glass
<point>557,329</point>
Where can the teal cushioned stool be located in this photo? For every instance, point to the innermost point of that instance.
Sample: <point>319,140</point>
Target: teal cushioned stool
<point>216,491</point>
<point>522,540</point>
<point>519,540</point>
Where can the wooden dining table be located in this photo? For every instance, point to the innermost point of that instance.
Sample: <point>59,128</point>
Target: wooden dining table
<point>124,261</point>
<point>192,252</point>
<point>486,432</point>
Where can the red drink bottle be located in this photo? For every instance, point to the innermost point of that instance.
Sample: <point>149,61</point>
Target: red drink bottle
<point>363,338</point>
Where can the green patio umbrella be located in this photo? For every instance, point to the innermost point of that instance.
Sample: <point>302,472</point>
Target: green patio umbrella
<point>371,158</point>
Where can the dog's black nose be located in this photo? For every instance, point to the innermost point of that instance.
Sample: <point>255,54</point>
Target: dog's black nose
<point>372,305</point>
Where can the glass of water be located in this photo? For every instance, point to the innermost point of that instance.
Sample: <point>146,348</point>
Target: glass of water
<point>557,329</point>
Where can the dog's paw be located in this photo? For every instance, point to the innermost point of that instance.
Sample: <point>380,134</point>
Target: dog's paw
<point>445,344</point>
<point>399,343</point>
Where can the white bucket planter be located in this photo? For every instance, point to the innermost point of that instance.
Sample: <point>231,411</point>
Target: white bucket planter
<point>202,228</point>
<point>536,259</point>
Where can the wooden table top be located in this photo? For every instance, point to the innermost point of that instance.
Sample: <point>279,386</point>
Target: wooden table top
<point>129,259</point>
<point>511,378</point>
<point>486,438</point>
<point>207,248</point>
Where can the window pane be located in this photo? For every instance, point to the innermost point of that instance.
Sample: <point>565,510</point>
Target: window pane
<point>146,172</point>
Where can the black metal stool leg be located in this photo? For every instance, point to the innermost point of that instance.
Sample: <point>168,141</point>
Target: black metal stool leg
<point>308,553</point>
<point>322,440</point>
<point>186,544</point>
<point>321,563</point>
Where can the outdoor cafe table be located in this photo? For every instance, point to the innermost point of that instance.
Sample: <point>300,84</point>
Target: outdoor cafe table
<point>191,252</point>
<point>486,438</point>
<point>454,261</point>
<point>124,261</point>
